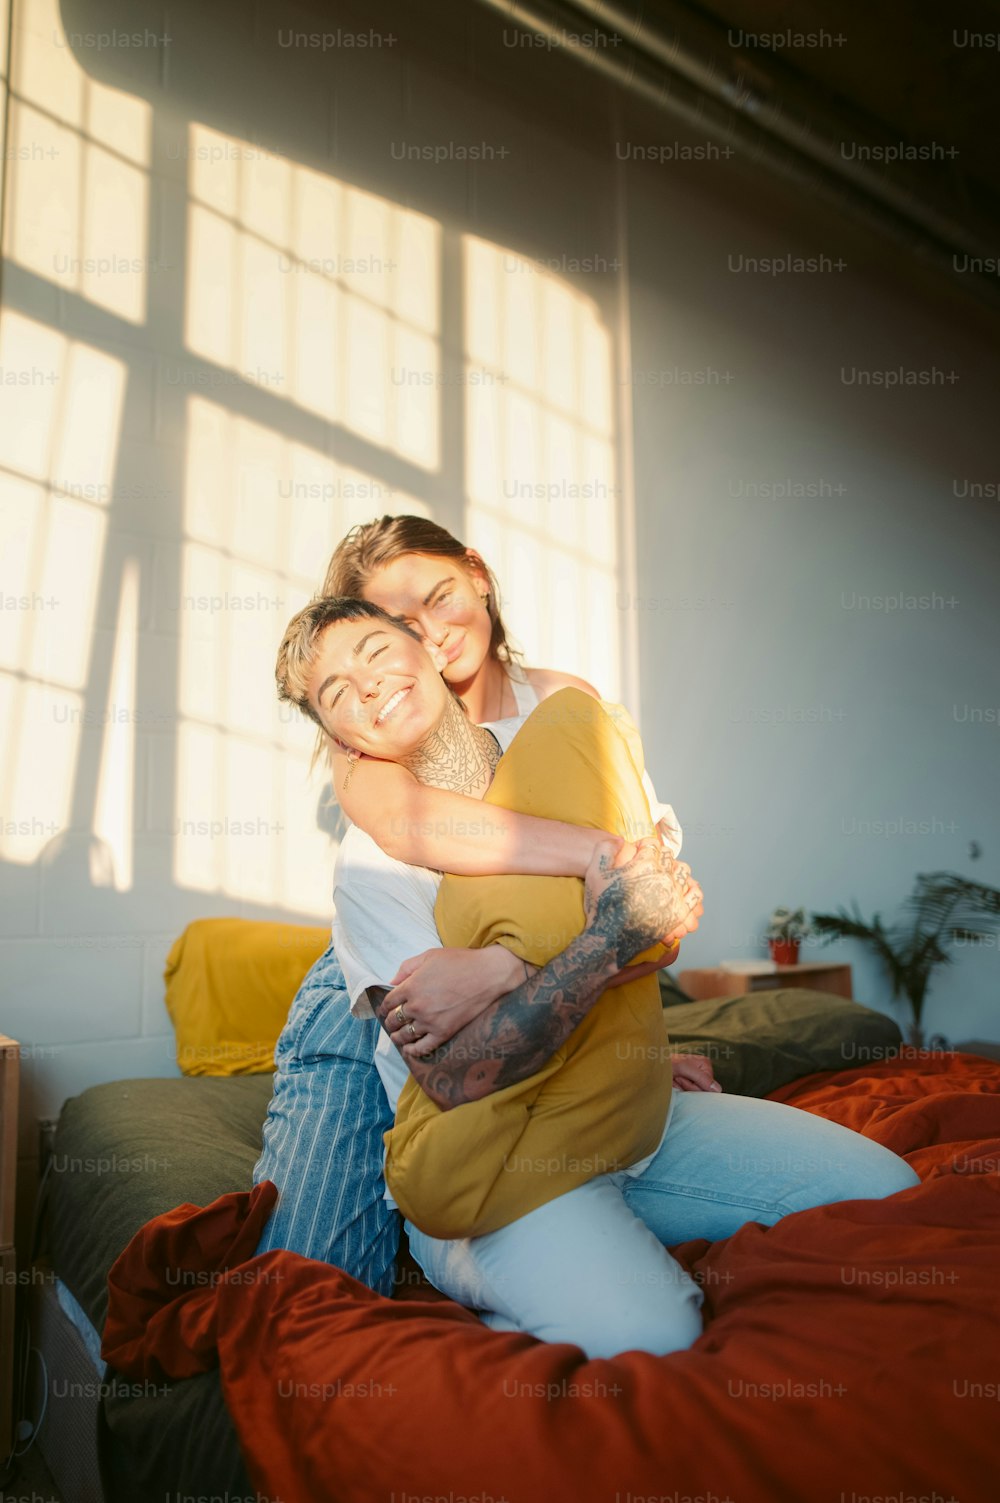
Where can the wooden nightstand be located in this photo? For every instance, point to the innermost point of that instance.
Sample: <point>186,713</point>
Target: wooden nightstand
<point>700,985</point>
<point>10,1062</point>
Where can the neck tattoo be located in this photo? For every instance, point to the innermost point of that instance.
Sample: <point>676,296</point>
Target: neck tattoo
<point>459,756</point>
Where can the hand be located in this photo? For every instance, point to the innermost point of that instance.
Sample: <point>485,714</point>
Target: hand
<point>696,906</point>
<point>441,990</point>
<point>693,1072</point>
<point>638,895</point>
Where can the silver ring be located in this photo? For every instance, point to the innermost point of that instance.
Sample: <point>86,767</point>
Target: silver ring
<point>411,1030</point>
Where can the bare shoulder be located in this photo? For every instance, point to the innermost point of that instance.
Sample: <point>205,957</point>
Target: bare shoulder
<point>546,681</point>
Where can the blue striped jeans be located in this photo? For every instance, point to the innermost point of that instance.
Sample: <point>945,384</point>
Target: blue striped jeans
<point>323,1136</point>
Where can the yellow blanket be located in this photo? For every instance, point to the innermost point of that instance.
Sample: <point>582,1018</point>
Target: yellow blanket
<point>600,1102</point>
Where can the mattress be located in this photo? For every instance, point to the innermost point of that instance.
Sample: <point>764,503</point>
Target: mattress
<point>64,1389</point>
<point>87,1331</point>
<point>123,1154</point>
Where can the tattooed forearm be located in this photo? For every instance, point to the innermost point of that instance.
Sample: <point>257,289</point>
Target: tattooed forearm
<point>514,1036</point>
<point>629,908</point>
<point>628,917</point>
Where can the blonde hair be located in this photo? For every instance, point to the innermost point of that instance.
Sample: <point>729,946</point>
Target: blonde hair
<point>372,545</point>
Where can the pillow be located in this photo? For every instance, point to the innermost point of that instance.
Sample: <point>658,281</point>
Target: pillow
<point>230,983</point>
<point>605,1091</point>
<point>765,1040</point>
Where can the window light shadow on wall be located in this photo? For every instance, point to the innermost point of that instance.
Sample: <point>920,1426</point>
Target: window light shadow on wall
<point>542,496</point>
<point>304,298</point>
<point>261,517</point>
<point>111,851</point>
<point>58,446</point>
<point>325,292</point>
<point>83,223</point>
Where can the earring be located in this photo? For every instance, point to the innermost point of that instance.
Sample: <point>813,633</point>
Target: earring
<point>353,759</point>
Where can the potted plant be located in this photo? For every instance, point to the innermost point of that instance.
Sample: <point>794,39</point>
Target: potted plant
<point>941,910</point>
<point>785,932</point>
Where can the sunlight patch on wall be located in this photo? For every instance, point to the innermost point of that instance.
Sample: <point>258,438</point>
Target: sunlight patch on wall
<point>261,517</point>
<point>541,485</point>
<point>78,159</point>
<point>318,291</point>
<point>4,73</point>
<point>58,446</point>
<point>111,853</point>
<point>37,765</point>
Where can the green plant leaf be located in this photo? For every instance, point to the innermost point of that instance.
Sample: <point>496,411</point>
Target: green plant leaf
<point>942,908</point>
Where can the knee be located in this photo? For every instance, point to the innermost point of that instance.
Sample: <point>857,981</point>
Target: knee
<point>874,1173</point>
<point>892,1175</point>
<point>660,1323</point>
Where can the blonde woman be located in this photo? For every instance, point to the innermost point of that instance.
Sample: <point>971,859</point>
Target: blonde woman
<point>323,1134</point>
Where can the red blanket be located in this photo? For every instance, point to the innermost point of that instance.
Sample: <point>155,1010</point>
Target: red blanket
<point>850,1353</point>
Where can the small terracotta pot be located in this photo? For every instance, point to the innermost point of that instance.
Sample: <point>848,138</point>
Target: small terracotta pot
<point>784,951</point>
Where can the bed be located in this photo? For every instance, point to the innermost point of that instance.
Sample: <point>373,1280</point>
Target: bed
<point>190,1406</point>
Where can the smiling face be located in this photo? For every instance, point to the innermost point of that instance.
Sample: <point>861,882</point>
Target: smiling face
<point>376,689</point>
<point>445,602</point>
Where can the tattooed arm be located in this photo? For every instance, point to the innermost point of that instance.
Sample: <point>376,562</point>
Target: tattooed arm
<point>632,897</point>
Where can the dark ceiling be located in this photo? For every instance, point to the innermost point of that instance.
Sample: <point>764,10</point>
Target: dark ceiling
<point>899,65</point>
<point>914,73</point>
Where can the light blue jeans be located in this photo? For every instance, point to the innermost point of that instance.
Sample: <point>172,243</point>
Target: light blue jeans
<point>591,1267</point>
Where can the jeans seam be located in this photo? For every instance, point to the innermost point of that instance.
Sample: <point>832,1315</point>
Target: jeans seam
<point>710,1197</point>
